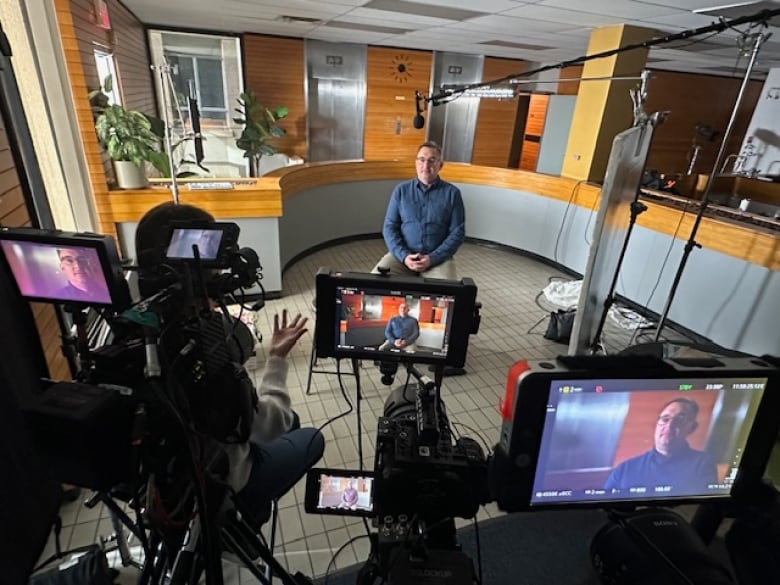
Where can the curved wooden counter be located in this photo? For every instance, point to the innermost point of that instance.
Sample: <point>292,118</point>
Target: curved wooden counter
<point>265,197</point>
<point>729,292</point>
<point>745,242</point>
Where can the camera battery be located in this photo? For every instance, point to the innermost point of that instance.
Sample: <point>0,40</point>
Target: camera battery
<point>83,433</point>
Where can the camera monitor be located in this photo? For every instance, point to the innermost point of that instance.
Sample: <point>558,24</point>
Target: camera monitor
<point>216,241</point>
<point>664,434</point>
<point>396,318</point>
<point>64,267</point>
<point>340,492</point>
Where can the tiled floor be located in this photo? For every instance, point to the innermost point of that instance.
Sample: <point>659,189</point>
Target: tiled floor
<point>508,284</point>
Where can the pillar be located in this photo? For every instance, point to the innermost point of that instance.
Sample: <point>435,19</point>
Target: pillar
<point>603,108</point>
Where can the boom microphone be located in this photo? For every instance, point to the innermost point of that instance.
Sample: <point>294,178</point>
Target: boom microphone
<point>418,121</point>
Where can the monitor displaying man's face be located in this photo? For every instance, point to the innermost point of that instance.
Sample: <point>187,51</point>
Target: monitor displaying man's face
<point>78,268</point>
<point>675,423</point>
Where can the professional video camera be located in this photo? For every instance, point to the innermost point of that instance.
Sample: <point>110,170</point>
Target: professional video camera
<point>423,476</point>
<point>589,432</point>
<point>142,417</point>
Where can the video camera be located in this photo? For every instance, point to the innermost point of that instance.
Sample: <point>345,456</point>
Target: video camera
<point>576,432</point>
<point>423,475</point>
<point>142,412</point>
<point>632,435</point>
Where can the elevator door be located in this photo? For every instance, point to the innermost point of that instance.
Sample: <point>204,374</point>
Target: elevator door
<point>335,119</point>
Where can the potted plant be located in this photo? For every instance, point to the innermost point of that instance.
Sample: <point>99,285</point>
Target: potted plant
<point>259,126</point>
<point>129,140</point>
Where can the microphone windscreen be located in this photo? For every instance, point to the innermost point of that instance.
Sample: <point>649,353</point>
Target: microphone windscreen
<point>418,121</point>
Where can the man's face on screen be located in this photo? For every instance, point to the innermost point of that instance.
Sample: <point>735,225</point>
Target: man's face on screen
<point>403,309</point>
<point>77,268</point>
<point>673,426</point>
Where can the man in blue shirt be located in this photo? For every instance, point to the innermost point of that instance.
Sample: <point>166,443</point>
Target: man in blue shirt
<point>401,331</point>
<point>672,462</point>
<point>425,222</point>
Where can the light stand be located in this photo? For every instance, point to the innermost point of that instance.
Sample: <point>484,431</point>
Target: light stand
<point>757,40</point>
<point>164,73</point>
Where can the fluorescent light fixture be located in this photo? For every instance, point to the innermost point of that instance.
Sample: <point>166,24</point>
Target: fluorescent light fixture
<point>498,93</point>
<point>726,6</point>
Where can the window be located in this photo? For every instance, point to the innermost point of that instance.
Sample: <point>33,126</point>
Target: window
<point>105,68</point>
<point>201,77</point>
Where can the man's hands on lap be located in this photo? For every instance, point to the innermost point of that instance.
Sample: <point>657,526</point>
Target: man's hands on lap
<point>418,262</point>
<point>286,335</point>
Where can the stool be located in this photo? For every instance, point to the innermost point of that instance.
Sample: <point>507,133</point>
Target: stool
<point>313,357</point>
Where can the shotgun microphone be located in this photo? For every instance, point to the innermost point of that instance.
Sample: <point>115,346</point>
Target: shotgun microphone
<point>418,121</point>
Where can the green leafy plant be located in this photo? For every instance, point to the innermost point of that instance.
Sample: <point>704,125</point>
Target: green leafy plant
<point>260,125</point>
<point>98,98</point>
<point>127,135</point>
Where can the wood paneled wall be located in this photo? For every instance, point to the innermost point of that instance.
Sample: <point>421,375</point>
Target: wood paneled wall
<point>392,77</point>
<point>13,213</point>
<point>534,126</point>
<point>497,119</point>
<point>692,98</point>
<point>127,40</point>
<point>569,87</point>
<point>274,68</point>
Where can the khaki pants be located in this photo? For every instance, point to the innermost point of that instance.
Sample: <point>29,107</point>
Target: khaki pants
<point>446,270</point>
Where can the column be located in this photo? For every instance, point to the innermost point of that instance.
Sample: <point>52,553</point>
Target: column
<point>603,108</point>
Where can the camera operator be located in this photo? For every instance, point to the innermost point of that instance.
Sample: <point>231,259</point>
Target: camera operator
<point>278,452</point>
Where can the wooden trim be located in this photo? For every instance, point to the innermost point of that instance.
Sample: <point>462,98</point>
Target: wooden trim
<point>265,199</point>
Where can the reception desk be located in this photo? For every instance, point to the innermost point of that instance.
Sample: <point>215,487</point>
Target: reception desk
<point>730,290</point>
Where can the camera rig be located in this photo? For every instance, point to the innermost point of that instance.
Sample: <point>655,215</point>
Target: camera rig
<point>141,421</point>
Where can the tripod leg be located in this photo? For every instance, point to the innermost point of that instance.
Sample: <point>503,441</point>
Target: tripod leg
<point>235,534</point>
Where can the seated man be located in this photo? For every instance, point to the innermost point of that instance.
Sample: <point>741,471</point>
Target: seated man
<point>671,462</point>
<point>425,222</point>
<point>278,453</point>
<point>349,498</point>
<point>402,331</point>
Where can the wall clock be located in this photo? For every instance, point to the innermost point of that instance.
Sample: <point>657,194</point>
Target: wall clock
<point>401,68</point>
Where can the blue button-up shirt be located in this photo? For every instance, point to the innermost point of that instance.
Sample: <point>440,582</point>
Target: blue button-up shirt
<point>428,221</point>
<point>405,328</point>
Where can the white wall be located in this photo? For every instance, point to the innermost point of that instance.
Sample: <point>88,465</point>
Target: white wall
<point>730,301</point>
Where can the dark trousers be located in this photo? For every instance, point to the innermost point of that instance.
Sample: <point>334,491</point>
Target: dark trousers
<point>276,467</point>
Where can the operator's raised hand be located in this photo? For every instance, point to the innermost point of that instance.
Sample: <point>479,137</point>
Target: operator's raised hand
<point>285,336</point>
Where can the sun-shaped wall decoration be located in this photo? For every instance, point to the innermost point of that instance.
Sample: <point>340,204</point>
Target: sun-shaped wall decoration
<point>401,68</point>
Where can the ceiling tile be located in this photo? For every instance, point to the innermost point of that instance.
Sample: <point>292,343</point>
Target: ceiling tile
<point>510,24</point>
<point>420,9</point>
<point>618,8</point>
<point>565,25</point>
<point>690,4</point>
<point>381,15</point>
<point>569,17</point>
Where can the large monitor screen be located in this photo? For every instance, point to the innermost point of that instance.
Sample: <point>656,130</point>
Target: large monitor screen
<point>394,318</point>
<point>607,440</point>
<point>64,267</point>
<point>400,323</point>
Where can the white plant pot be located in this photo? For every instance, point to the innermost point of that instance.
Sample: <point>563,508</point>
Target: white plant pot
<point>129,176</point>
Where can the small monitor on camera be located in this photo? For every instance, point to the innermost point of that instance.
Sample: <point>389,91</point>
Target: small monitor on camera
<point>340,492</point>
<point>65,267</point>
<point>636,436</point>
<point>394,318</point>
<point>215,242</point>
